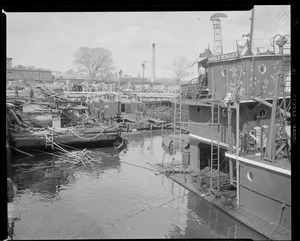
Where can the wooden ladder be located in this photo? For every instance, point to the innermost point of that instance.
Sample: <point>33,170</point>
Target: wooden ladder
<point>215,144</point>
<point>49,138</point>
<point>177,124</point>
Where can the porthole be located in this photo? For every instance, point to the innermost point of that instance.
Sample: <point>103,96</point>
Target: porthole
<point>224,112</point>
<point>250,176</point>
<point>224,72</point>
<point>262,113</point>
<point>198,108</point>
<point>262,69</point>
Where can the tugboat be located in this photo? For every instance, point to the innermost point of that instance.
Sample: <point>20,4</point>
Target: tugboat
<point>240,135</point>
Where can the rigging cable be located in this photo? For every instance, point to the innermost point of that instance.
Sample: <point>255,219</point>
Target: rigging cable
<point>269,18</point>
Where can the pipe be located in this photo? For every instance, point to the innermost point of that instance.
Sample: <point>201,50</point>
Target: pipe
<point>287,114</point>
<point>270,149</point>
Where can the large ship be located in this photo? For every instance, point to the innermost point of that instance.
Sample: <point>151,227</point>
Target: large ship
<point>239,131</point>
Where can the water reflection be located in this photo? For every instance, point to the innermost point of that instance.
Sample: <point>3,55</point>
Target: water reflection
<point>49,181</point>
<point>114,200</point>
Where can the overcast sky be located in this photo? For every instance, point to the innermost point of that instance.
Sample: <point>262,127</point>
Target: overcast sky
<point>49,40</point>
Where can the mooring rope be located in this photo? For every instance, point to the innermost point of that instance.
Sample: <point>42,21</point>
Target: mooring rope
<point>277,224</point>
<point>90,138</point>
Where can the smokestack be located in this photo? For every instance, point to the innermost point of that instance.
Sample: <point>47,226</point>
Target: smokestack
<point>153,64</point>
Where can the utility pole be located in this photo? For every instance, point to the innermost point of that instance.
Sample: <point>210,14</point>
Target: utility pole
<point>143,65</point>
<point>153,64</point>
<point>118,98</point>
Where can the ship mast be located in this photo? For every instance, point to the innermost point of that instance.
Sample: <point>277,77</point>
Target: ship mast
<point>251,30</point>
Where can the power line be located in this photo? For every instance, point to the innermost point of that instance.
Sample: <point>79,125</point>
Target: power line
<point>266,14</point>
<point>284,12</point>
<point>271,17</point>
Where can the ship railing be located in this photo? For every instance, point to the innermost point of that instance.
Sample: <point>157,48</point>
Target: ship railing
<point>287,48</point>
<point>286,76</point>
<point>195,91</point>
<point>287,84</point>
<point>251,143</point>
<point>184,126</point>
<point>210,132</point>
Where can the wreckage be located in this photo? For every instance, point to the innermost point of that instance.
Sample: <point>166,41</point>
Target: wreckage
<point>53,118</point>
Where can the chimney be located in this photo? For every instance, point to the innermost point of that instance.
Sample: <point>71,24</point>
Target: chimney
<point>153,64</point>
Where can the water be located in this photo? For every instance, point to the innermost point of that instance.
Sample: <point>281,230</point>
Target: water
<point>115,200</point>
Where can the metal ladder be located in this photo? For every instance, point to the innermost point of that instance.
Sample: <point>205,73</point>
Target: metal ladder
<point>177,124</point>
<point>215,145</point>
<point>49,138</point>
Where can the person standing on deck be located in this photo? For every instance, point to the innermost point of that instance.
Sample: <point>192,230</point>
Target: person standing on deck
<point>202,76</point>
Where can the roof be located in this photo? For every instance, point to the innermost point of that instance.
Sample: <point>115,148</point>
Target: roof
<point>200,60</point>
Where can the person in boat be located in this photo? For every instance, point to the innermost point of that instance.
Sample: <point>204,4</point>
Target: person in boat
<point>202,79</point>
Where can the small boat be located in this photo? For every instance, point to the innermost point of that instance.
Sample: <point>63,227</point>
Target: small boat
<point>119,145</point>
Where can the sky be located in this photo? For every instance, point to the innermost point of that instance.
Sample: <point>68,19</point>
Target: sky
<point>48,40</point>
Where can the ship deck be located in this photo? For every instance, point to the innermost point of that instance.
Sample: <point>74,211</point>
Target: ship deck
<point>230,207</point>
<point>281,162</point>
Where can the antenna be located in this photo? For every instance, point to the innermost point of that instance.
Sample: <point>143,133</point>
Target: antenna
<point>216,21</point>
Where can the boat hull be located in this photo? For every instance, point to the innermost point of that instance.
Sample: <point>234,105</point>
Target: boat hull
<point>30,142</point>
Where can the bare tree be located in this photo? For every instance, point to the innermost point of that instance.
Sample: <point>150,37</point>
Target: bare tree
<point>181,69</point>
<point>94,61</point>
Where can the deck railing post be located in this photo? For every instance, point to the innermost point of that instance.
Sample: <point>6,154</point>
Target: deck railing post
<point>237,182</point>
